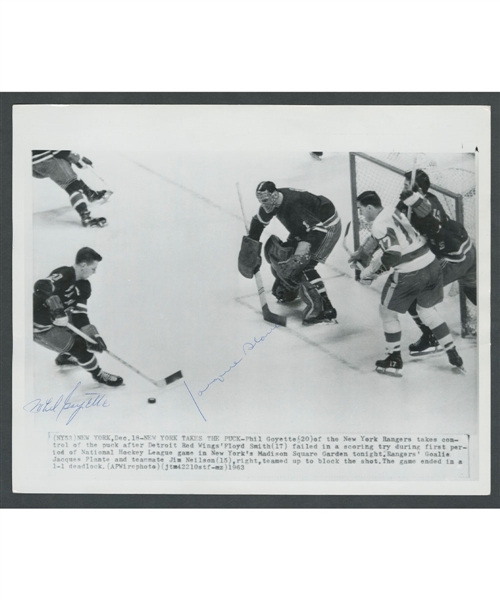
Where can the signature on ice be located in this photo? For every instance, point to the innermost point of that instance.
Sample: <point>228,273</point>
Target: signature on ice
<point>67,403</point>
<point>247,347</point>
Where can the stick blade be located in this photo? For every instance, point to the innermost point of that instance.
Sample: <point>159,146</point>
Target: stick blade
<point>273,317</point>
<point>170,379</point>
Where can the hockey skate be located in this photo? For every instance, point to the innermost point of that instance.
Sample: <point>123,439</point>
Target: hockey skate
<point>427,344</point>
<point>99,197</point>
<point>93,196</point>
<point>66,359</point>
<point>456,360</point>
<point>89,221</point>
<point>391,365</point>
<point>107,379</point>
<point>316,155</point>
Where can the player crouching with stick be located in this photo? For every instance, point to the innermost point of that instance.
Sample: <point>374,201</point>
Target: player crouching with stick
<point>314,228</point>
<point>65,292</point>
<point>416,276</point>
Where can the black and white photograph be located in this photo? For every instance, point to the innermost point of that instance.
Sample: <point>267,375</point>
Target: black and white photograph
<point>251,299</point>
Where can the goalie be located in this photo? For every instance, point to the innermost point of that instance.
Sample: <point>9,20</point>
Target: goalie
<point>314,228</point>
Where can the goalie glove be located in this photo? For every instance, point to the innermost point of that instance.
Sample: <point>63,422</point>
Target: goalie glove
<point>249,258</point>
<point>57,313</point>
<point>92,332</point>
<point>298,262</point>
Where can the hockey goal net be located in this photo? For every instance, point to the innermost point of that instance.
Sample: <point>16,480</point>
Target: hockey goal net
<point>453,181</point>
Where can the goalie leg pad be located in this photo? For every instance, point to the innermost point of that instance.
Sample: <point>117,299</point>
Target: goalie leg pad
<point>249,259</point>
<point>312,299</point>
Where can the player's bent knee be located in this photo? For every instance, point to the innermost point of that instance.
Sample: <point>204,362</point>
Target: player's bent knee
<point>79,349</point>
<point>429,316</point>
<point>74,186</point>
<point>387,315</point>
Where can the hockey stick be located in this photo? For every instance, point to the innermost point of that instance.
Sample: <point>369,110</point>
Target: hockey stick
<point>269,316</point>
<point>412,181</point>
<point>96,174</point>
<point>355,265</point>
<point>161,383</point>
<point>108,193</point>
<point>344,242</point>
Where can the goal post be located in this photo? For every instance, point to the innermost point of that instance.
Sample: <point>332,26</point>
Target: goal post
<point>452,181</point>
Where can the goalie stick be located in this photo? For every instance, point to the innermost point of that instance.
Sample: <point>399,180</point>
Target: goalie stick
<point>268,315</point>
<point>161,383</point>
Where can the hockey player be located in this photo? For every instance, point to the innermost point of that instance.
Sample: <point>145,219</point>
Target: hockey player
<point>314,228</point>
<point>416,276</point>
<point>61,296</point>
<point>57,165</point>
<point>447,239</point>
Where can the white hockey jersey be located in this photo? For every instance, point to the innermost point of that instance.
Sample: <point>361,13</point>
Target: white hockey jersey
<point>404,248</point>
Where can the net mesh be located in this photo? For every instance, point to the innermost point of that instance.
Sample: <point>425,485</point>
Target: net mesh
<point>453,174</point>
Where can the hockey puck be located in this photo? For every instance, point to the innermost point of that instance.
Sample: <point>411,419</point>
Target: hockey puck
<point>151,400</point>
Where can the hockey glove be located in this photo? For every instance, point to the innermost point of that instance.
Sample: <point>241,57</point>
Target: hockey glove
<point>363,254</point>
<point>57,314</point>
<point>80,161</point>
<point>249,258</point>
<point>84,162</point>
<point>408,193</point>
<point>44,288</point>
<point>92,332</point>
<point>371,272</point>
<point>73,158</point>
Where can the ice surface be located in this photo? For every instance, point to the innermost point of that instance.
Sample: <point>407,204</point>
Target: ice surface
<point>168,296</point>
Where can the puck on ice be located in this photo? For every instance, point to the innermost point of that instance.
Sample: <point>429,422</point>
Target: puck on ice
<point>151,400</point>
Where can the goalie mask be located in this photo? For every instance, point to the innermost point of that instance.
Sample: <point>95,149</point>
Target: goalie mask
<point>267,195</point>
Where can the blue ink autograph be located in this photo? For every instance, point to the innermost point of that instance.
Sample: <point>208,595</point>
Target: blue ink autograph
<point>67,404</point>
<point>247,347</point>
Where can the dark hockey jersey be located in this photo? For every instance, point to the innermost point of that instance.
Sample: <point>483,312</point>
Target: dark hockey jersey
<point>303,214</point>
<point>72,293</point>
<point>446,238</point>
